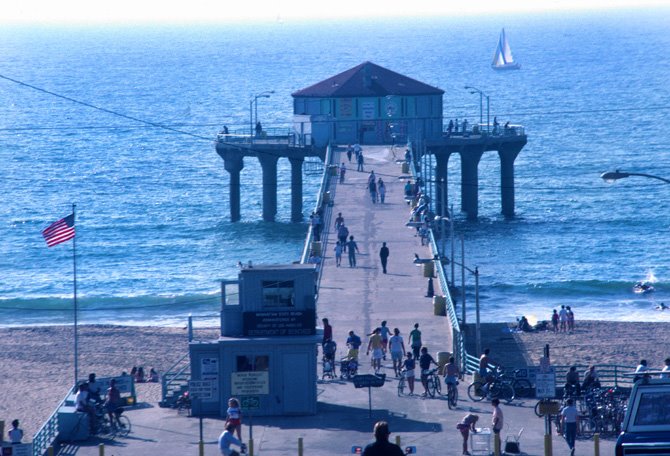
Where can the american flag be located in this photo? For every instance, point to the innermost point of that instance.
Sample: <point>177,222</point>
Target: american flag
<point>60,231</point>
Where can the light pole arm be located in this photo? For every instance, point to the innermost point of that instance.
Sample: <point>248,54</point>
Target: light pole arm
<point>611,176</point>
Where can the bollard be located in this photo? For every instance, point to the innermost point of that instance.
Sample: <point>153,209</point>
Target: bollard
<point>299,446</point>
<point>496,444</point>
<point>397,440</point>
<point>101,449</point>
<point>547,445</point>
<point>201,448</point>
<point>596,444</point>
<point>50,451</point>
<point>2,431</point>
<point>251,447</point>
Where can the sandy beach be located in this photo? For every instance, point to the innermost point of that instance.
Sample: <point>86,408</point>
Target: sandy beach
<point>37,362</point>
<point>38,370</point>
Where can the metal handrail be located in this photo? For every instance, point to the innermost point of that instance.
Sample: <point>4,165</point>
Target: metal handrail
<point>47,434</point>
<point>325,182</point>
<point>165,382</point>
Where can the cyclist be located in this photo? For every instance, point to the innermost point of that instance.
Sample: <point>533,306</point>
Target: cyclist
<point>451,372</point>
<point>113,403</point>
<point>425,360</point>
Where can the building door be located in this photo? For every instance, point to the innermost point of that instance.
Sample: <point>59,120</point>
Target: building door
<point>295,383</point>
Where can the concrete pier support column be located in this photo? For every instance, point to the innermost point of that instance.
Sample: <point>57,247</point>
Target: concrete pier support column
<point>269,167</point>
<point>507,156</point>
<point>470,157</point>
<point>441,164</point>
<point>234,166</point>
<point>296,189</point>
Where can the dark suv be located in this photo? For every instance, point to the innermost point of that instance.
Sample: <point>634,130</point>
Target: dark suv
<point>646,426</point>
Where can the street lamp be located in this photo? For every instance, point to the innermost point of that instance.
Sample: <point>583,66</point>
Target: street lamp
<point>253,107</point>
<point>481,100</point>
<point>478,333</point>
<point>612,176</point>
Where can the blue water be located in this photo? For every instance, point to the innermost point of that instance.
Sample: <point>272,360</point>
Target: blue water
<point>153,228</point>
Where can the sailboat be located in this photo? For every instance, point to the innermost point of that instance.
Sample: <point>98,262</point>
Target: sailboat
<point>503,59</point>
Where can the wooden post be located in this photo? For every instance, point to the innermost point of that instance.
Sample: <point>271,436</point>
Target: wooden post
<point>596,444</point>
<point>2,431</point>
<point>299,446</point>
<point>397,440</point>
<point>251,447</point>
<point>101,449</point>
<point>496,444</point>
<point>50,451</point>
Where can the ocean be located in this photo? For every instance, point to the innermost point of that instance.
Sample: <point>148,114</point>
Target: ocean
<point>154,235</point>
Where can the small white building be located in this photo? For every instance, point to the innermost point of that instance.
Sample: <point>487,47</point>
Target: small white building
<point>367,104</point>
<point>266,355</point>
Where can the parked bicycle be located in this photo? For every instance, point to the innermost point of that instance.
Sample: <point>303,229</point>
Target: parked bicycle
<point>433,382</point>
<point>491,388</point>
<point>119,426</point>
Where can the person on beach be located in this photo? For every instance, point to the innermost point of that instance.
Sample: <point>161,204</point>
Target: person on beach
<point>415,341</point>
<point>381,188</point>
<point>384,256</point>
<point>385,333</point>
<point>153,376</point>
<point>338,254</point>
<point>227,438</point>
<point>569,419</point>
<point>234,416</point>
<point>15,433</point>
<point>497,417</point>
<point>466,425</point>
<point>381,445</point>
<point>352,249</point>
<point>139,375</point>
<point>375,344</point>
<point>397,349</point>
<point>563,318</point>
<point>425,361</point>
<point>571,319</point>
<point>554,321</point>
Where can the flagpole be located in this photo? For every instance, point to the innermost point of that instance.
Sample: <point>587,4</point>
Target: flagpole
<point>74,269</point>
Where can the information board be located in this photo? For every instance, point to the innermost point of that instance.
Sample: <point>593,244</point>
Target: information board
<point>545,385</point>
<point>209,371</point>
<point>279,323</point>
<point>249,383</point>
<point>201,389</point>
<point>17,449</point>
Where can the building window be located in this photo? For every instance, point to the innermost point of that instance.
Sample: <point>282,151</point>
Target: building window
<point>278,294</point>
<point>253,363</point>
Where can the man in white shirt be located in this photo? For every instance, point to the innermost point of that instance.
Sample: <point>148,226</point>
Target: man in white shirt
<point>563,318</point>
<point>82,404</point>
<point>641,369</point>
<point>569,417</point>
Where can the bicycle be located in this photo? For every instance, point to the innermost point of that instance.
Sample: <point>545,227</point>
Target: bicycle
<point>521,386</point>
<point>107,428</point>
<point>433,383</point>
<point>452,395</point>
<point>495,389</point>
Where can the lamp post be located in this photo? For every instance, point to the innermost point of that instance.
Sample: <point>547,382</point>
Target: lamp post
<point>481,101</point>
<point>612,176</point>
<point>478,333</point>
<point>253,108</point>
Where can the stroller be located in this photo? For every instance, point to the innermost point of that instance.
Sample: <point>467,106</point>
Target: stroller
<point>348,367</point>
<point>328,364</point>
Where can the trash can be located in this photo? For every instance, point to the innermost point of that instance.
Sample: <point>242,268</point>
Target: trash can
<point>326,198</point>
<point>333,170</point>
<point>428,269</point>
<point>439,306</point>
<point>405,168</point>
<point>316,248</point>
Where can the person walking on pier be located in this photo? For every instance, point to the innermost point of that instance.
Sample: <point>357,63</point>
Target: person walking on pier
<point>343,171</point>
<point>342,233</point>
<point>350,150</point>
<point>375,344</point>
<point>352,249</point>
<point>360,160</point>
<point>338,254</point>
<point>384,256</point>
<point>339,221</point>
<point>372,186</point>
<point>381,189</point>
<point>415,340</point>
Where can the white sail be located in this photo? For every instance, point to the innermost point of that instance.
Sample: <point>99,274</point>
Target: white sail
<point>503,58</point>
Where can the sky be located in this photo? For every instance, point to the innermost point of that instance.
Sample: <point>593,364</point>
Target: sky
<point>218,11</point>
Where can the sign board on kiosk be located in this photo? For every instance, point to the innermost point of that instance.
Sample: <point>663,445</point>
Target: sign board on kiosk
<point>201,389</point>
<point>17,449</point>
<point>249,383</point>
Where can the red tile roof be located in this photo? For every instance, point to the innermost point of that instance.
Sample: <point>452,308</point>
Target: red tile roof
<point>367,80</point>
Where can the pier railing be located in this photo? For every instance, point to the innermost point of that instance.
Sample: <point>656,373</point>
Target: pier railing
<point>322,204</point>
<point>274,135</point>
